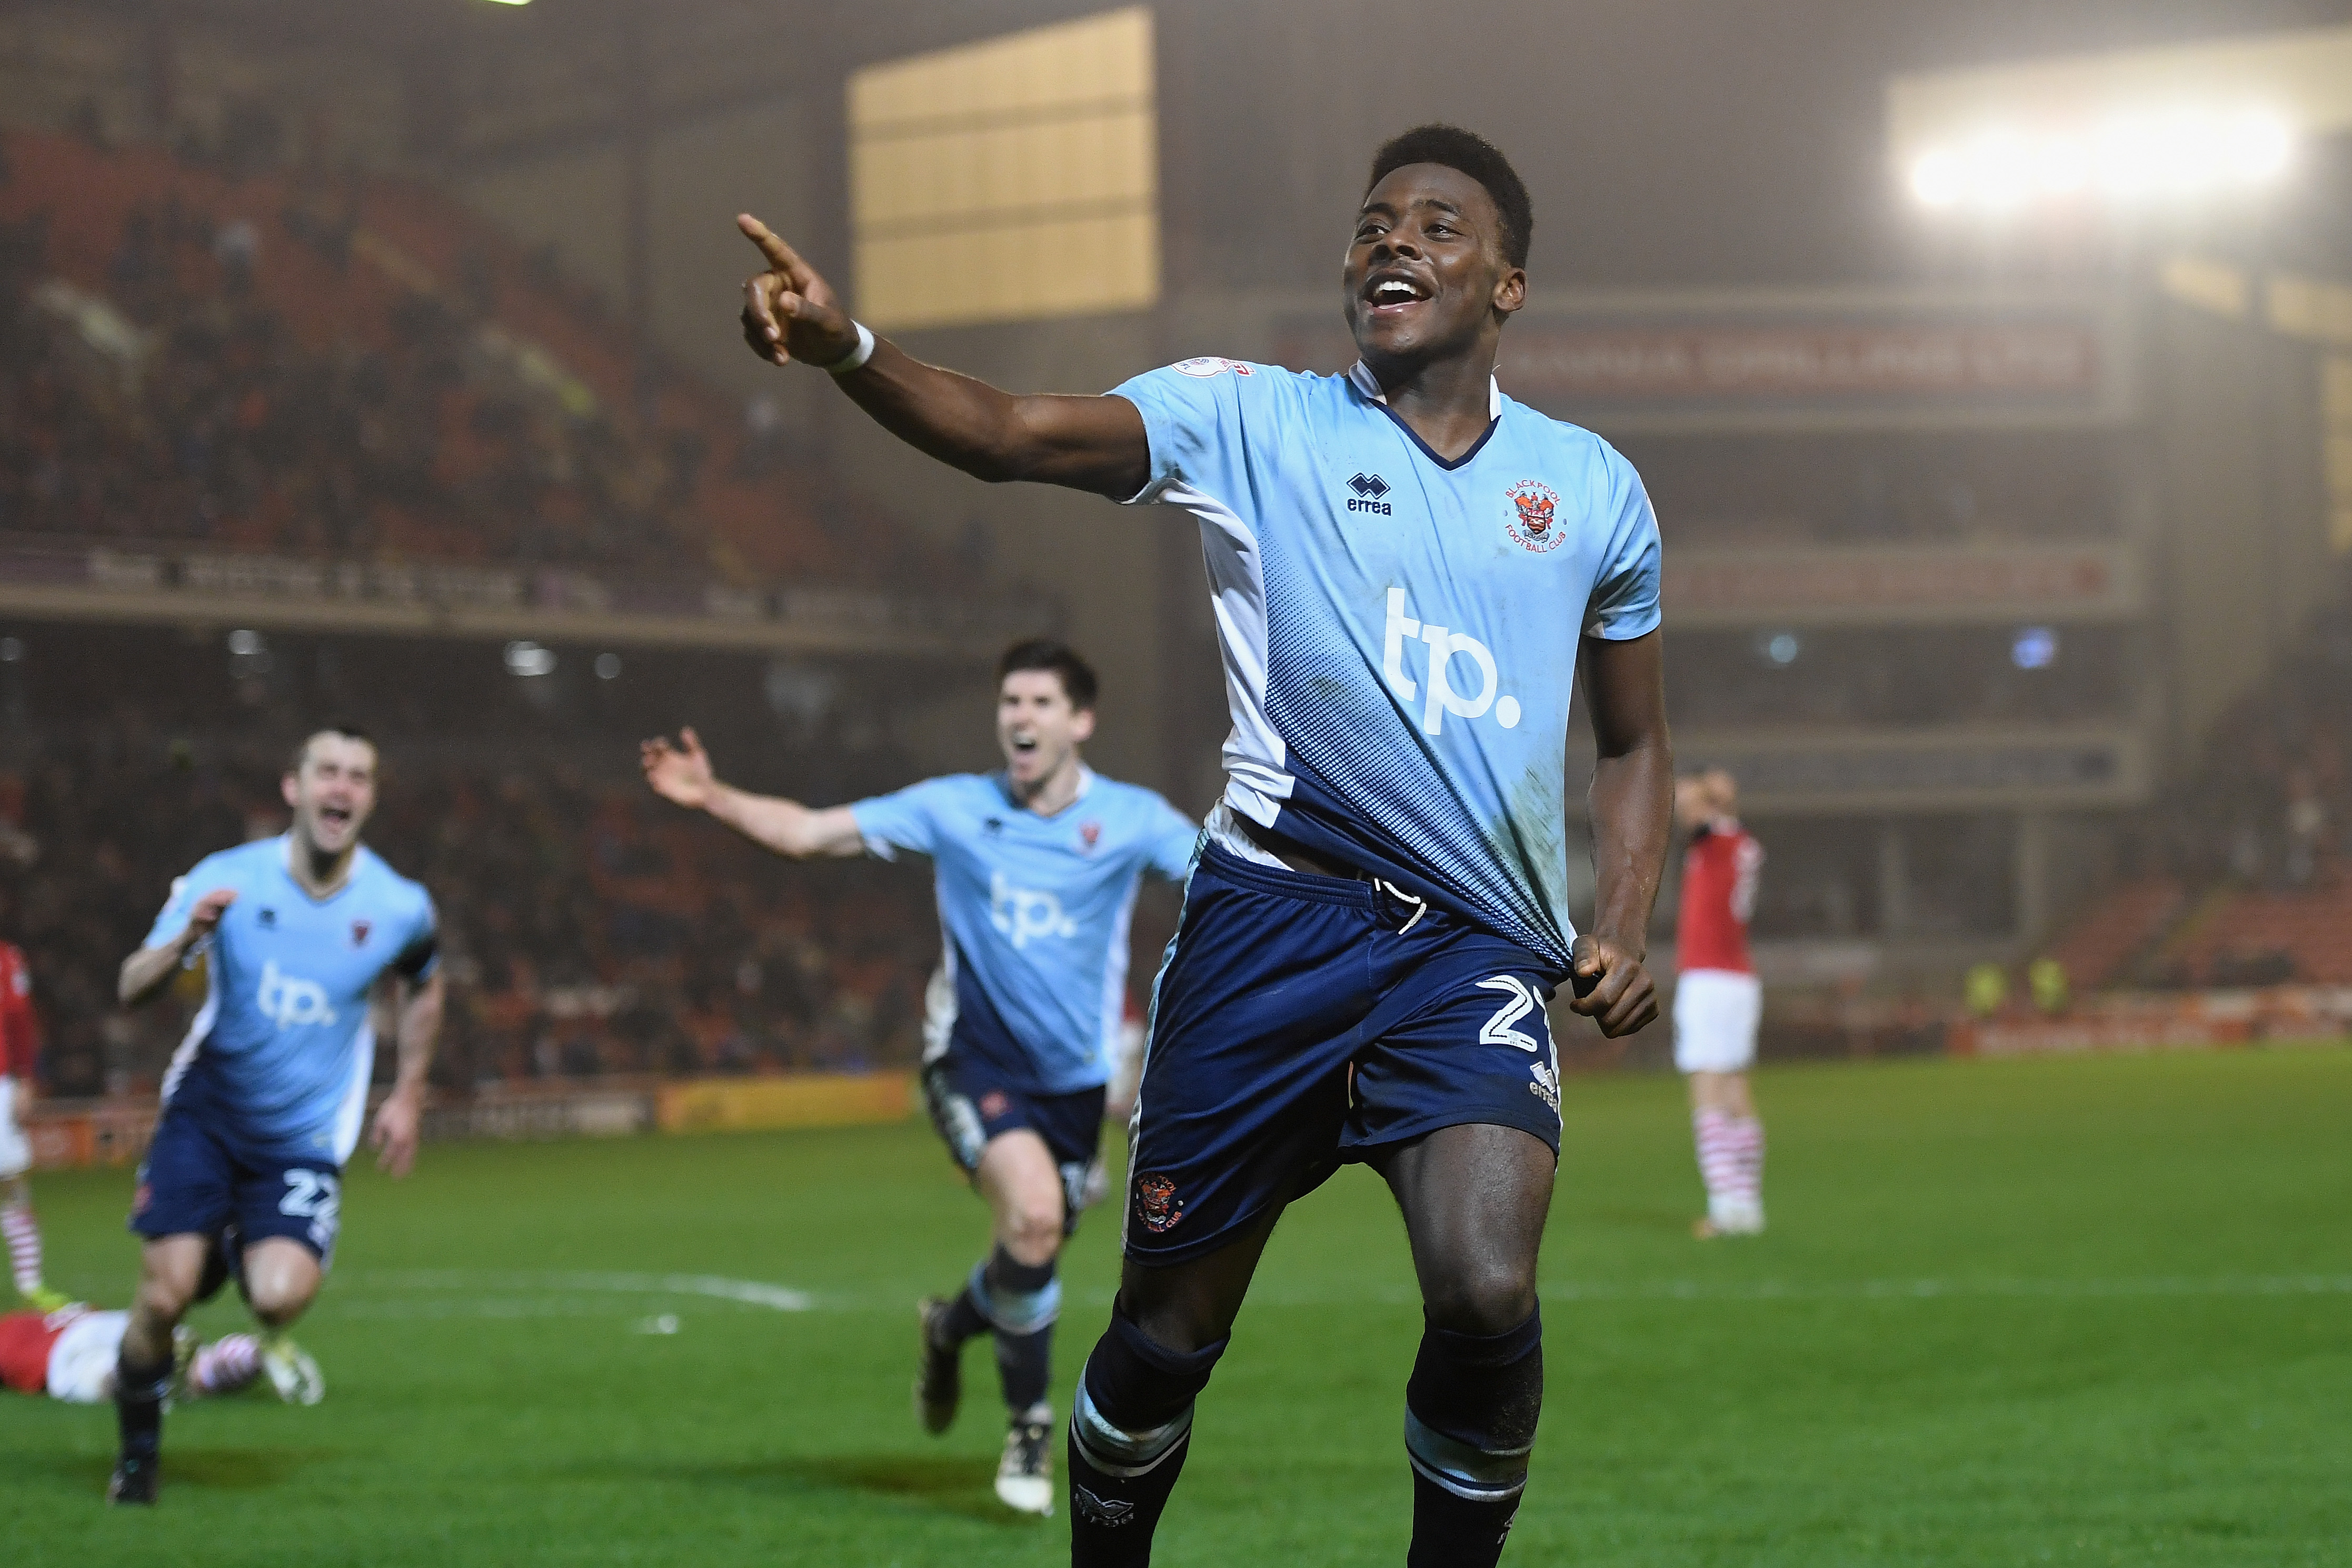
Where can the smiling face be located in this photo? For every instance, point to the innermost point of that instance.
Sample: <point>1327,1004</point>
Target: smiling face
<point>1037,728</point>
<point>1426,277</point>
<point>332,791</point>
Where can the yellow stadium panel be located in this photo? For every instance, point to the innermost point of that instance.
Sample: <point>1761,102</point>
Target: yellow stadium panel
<point>1075,268</point>
<point>1008,180</point>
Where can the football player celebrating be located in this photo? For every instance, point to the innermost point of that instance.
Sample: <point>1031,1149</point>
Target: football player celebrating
<point>1717,1002</point>
<point>1407,569</point>
<point>263,1101</point>
<point>1037,868</point>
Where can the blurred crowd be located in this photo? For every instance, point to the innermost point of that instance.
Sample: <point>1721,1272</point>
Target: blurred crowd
<point>587,927</point>
<point>275,366</point>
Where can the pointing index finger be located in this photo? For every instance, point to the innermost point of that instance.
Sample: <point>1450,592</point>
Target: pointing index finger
<point>780,257</point>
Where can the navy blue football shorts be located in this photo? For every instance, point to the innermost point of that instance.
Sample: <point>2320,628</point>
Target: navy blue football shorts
<point>199,1178</point>
<point>970,1102</point>
<point>1300,1022</point>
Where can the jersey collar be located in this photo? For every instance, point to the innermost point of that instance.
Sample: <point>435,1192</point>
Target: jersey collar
<point>1360,377</point>
<point>1085,783</point>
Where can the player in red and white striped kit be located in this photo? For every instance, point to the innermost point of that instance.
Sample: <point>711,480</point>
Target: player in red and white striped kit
<point>1717,1001</point>
<point>20,1044</point>
<point>70,1353</point>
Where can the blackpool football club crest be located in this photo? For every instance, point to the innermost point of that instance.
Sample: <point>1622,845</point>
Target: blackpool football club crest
<point>360,929</point>
<point>1156,1203</point>
<point>1089,835</point>
<point>1534,521</point>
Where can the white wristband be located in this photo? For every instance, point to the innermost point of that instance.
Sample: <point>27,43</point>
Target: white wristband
<point>856,356</point>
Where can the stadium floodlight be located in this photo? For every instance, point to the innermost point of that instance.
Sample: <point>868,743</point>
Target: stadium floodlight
<point>2035,648</point>
<point>2139,158</point>
<point>608,666</point>
<point>526,660</point>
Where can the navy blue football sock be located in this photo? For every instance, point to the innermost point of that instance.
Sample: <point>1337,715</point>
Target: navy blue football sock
<point>139,1405</point>
<point>1025,1363</point>
<point>1130,1427</point>
<point>1469,1425</point>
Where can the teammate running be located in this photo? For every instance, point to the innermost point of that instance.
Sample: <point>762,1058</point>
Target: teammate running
<point>20,1045</point>
<point>1717,1002</point>
<point>1407,569</point>
<point>1037,868</point>
<point>263,1101</point>
<point>70,1353</point>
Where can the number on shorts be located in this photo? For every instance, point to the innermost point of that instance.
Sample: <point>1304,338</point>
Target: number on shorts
<point>1499,1029</point>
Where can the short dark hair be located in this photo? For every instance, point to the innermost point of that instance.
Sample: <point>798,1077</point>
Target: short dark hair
<point>1046,654</point>
<point>301,752</point>
<point>1473,155</point>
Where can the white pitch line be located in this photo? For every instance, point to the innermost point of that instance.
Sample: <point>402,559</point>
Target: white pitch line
<point>752,1293</point>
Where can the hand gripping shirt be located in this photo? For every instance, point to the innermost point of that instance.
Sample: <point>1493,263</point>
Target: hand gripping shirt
<point>281,1053</point>
<point>1033,915</point>
<point>1400,631</point>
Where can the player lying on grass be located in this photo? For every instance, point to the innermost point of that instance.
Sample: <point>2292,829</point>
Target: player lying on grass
<point>19,1049</point>
<point>71,1353</point>
<point>1037,869</point>
<point>263,1101</point>
<point>1717,1001</point>
<point>1407,570</point>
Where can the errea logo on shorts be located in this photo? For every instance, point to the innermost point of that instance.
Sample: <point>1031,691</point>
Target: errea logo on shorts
<point>1444,646</point>
<point>1023,915</point>
<point>291,1002</point>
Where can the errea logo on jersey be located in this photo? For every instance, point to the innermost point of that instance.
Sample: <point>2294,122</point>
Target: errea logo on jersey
<point>1444,645</point>
<point>291,1002</point>
<point>1023,915</point>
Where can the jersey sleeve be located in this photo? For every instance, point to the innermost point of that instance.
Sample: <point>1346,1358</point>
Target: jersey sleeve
<point>420,955</point>
<point>907,819</point>
<point>1173,836</point>
<point>1197,414</point>
<point>186,891</point>
<point>1624,603</point>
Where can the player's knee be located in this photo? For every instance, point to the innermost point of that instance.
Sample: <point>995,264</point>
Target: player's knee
<point>278,1300</point>
<point>163,1298</point>
<point>1033,1231</point>
<point>1134,1404</point>
<point>1485,1296</point>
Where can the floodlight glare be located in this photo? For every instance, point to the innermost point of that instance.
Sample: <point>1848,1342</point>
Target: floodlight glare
<point>2170,154</point>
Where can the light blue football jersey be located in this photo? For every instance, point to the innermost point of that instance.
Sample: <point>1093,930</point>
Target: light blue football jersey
<point>282,1048</point>
<point>1400,632</point>
<point>1033,915</point>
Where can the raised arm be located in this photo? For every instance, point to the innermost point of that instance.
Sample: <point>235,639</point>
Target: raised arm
<point>1094,444</point>
<point>399,1119</point>
<point>682,774</point>
<point>1632,807</point>
<point>145,973</point>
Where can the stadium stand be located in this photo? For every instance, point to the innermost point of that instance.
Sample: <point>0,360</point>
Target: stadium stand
<point>2246,875</point>
<point>357,367</point>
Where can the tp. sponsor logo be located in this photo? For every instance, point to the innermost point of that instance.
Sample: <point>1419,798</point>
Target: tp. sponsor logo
<point>1370,489</point>
<point>1444,646</point>
<point>1025,915</point>
<point>290,1001</point>
<point>1535,525</point>
<point>1156,1203</point>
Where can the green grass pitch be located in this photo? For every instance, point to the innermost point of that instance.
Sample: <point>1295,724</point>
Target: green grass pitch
<point>2080,1311</point>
